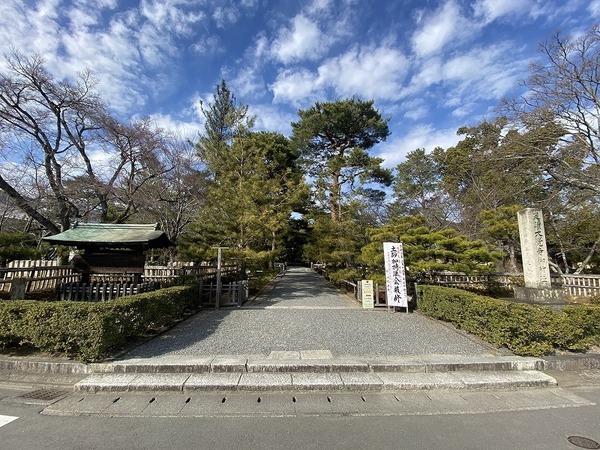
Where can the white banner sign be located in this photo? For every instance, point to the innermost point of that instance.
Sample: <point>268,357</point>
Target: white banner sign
<point>395,277</point>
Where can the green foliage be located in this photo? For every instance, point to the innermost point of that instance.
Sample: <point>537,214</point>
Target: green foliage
<point>90,331</point>
<point>524,329</point>
<point>335,243</point>
<point>255,185</point>
<point>344,275</point>
<point>501,229</point>
<point>479,175</point>
<point>17,245</point>
<point>333,139</point>
<point>418,189</point>
<point>425,250</point>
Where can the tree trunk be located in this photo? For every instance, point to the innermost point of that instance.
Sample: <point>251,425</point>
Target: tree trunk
<point>588,257</point>
<point>24,206</point>
<point>512,259</point>
<point>334,198</point>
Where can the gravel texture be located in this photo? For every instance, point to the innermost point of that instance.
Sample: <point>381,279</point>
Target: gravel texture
<point>304,312</point>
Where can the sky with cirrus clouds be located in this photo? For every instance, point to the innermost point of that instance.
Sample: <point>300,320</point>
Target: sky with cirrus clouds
<point>431,66</point>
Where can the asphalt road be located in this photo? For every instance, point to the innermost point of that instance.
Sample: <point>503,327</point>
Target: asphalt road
<point>517,429</point>
<point>304,312</point>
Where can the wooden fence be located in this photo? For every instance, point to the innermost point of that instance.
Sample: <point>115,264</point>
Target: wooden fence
<point>234,293</point>
<point>572,285</point>
<point>170,273</point>
<point>581,285</point>
<point>497,283</point>
<point>101,292</point>
<point>38,275</point>
<point>25,276</point>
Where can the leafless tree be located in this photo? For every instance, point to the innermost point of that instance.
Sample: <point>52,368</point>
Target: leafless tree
<point>86,163</point>
<point>560,112</point>
<point>174,199</point>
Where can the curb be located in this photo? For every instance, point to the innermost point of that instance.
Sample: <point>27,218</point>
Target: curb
<point>298,382</point>
<point>216,363</point>
<point>244,364</point>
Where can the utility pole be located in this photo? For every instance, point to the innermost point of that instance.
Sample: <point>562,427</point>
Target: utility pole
<point>218,296</point>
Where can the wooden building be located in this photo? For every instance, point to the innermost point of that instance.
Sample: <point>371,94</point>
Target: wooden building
<point>111,249</point>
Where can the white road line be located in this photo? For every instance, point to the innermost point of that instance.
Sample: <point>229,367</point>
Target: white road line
<point>6,419</point>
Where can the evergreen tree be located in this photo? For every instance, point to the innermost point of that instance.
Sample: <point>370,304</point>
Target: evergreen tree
<point>425,251</point>
<point>334,139</point>
<point>254,185</point>
<point>418,189</point>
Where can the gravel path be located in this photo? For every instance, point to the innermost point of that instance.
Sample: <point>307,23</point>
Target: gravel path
<point>304,312</point>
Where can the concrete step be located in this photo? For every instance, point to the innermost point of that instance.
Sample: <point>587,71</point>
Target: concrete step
<point>260,364</point>
<point>313,381</point>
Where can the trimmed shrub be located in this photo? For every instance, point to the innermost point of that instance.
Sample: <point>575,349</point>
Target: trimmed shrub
<point>524,329</point>
<point>91,331</point>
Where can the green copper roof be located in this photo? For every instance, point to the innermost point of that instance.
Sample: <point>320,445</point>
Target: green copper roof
<point>112,235</point>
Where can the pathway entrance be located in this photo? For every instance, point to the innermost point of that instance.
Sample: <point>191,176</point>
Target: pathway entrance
<point>304,313</point>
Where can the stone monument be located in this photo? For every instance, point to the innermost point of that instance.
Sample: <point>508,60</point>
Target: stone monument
<point>536,270</point>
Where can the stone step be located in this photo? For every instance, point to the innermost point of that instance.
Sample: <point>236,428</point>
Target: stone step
<point>245,364</point>
<point>313,381</point>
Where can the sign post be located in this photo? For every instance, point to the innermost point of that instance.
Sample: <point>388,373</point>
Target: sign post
<point>395,277</point>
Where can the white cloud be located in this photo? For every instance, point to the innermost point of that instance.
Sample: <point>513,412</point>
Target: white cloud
<point>302,41</point>
<point>171,16</point>
<point>318,6</point>
<point>248,82</point>
<point>445,27</point>
<point>415,109</point>
<point>372,72</point>
<point>29,27</point>
<point>594,8</point>
<point>115,60</point>
<point>490,10</point>
<point>224,16</point>
<point>209,45</point>
<point>420,136</point>
<point>484,73</point>
<point>295,86</point>
<point>184,129</point>
<point>272,118</point>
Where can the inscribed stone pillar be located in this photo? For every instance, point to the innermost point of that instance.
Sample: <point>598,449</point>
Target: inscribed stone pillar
<point>533,248</point>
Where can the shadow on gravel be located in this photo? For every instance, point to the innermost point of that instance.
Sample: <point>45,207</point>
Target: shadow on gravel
<point>299,288</point>
<point>302,311</point>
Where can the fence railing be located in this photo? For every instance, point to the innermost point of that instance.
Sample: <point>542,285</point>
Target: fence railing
<point>102,292</point>
<point>581,285</point>
<point>37,275</point>
<point>167,274</point>
<point>571,284</point>
<point>497,283</point>
<point>234,293</point>
<point>46,275</point>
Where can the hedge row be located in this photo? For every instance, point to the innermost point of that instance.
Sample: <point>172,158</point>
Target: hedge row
<point>526,330</point>
<point>91,331</point>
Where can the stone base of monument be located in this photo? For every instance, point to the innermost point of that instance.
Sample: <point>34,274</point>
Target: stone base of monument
<point>545,296</point>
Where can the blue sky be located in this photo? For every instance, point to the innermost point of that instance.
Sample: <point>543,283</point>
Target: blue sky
<point>430,65</point>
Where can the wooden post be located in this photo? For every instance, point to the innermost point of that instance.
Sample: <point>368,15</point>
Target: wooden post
<point>218,295</point>
<point>200,286</point>
<point>241,291</point>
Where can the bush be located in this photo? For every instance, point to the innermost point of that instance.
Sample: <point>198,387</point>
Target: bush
<point>91,331</point>
<point>524,329</point>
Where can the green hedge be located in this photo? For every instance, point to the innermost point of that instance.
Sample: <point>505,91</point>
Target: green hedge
<point>91,331</point>
<point>524,329</point>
